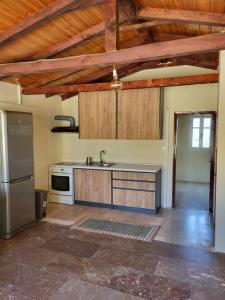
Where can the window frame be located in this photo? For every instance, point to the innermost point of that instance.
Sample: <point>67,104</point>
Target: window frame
<point>201,128</point>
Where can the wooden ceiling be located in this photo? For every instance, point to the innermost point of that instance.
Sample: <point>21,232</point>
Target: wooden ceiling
<point>47,29</point>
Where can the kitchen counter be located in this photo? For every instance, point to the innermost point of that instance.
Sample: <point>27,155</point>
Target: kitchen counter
<point>148,168</point>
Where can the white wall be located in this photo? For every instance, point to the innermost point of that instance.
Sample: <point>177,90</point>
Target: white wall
<point>192,163</point>
<point>181,98</point>
<point>220,183</point>
<point>47,146</point>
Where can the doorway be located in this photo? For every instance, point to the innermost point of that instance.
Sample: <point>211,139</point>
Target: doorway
<point>194,160</point>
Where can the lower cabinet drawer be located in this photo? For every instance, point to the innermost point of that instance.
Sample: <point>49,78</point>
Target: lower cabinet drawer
<point>134,198</point>
<point>134,176</point>
<point>135,185</point>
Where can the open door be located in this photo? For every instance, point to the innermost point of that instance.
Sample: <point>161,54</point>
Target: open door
<point>211,160</point>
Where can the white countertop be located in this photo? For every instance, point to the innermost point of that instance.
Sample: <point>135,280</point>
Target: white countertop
<point>115,166</point>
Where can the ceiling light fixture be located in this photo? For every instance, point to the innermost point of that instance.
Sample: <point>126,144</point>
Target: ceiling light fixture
<point>164,62</point>
<point>116,83</point>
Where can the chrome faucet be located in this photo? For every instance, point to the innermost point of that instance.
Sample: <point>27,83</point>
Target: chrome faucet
<point>101,157</point>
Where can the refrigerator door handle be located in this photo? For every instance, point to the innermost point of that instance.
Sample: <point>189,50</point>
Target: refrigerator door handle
<point>22,179</point>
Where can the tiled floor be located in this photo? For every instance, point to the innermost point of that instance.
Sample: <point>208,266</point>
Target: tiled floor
<point>190,223</point>
<point>190,227</point>
<point>50,261</point>
<point>190,195</point>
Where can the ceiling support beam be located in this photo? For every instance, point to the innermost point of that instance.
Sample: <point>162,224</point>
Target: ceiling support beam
<point>58,76</point>
<point>183,16</point>
<point>143,25</point>
<point>40,17</point>
<point>91,32</point>
<point>194,45</point>
<point>111,25</point>
<point>172,81</point>
<point>123,71</point>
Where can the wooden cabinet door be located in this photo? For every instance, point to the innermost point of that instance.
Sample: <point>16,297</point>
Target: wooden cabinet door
<point>83,184</point>
<point>101,186</point>
<point>92,185</point>
<point>97,115</point>
<point>139,114</point>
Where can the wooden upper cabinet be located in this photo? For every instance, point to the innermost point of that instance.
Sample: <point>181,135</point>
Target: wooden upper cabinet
<point>139,115</point>
<point>97,115</point>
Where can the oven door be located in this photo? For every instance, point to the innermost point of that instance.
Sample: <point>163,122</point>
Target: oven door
<point>61,183</point>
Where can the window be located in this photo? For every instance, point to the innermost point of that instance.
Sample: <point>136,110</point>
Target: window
<point>201,132</point>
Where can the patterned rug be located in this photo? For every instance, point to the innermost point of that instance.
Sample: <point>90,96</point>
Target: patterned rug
<point>144,232</point>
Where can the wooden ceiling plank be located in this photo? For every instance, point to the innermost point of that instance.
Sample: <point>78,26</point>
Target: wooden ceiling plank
<point>39,18</point>
<point>111,25</point>
<point>183,16</point>
<point>73,41</point>
<point>194,45</point>
<point>89,33</point>
<point>171,81</point>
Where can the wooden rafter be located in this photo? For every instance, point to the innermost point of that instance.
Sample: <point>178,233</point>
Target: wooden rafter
<point>91,32</point>
<point>58,76</point>
<point>123,71</point>
<point>111,25</point>
<point>184,16</point>
<point>105,74</point>
<point>41,17</point>
<point>138,26</point>
<point>172,81</point>
<point>195,45</point>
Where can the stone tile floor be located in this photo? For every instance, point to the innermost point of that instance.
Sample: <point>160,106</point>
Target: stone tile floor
<point>50,261</point>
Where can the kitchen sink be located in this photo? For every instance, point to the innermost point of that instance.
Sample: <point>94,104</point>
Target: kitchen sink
<point>98,164</point>
<point>104,165</point>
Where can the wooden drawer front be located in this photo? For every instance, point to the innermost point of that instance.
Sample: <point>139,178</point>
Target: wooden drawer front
<point>134,198</point>
<point>137,185</point>
<point>134,176</point>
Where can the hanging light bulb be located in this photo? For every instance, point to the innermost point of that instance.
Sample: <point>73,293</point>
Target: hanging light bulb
<point>116,83</point>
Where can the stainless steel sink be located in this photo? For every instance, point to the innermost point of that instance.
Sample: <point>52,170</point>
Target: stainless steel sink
<point>98,164</point>
<point>104,165</point>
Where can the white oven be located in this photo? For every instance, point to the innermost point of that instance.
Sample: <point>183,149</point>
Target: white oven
<point>61,184</point>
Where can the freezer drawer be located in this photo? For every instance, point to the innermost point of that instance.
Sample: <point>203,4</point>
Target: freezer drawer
<point>19,198</point>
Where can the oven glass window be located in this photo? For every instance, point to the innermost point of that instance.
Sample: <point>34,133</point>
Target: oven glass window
<point>60,183</point>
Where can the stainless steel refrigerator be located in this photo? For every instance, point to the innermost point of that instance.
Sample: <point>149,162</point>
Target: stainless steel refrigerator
<point>17,192</point>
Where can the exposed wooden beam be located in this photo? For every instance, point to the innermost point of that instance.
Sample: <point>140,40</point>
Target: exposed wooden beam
<point>129,7</point>
<point>143,25</point>
<point>172,81</point>
<point>202,63</point>
<point>81,37</point>
<point>71,42</point>
<point>101,73</point>
<point>54,77</point>
<point>39,18</point>
<point>195,45</point>
<point>123,71</point>
<point>184,16</point>
<point>111,25</point>
<point>85,4</point>
<point>163,37</point>
<point>133,68</point>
